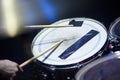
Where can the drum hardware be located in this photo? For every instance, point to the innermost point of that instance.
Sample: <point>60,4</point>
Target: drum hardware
<point>114,46</point>
<point>100,53</point>
<point>44,74</point>
<point>113,39</point>
<point>52,68</point>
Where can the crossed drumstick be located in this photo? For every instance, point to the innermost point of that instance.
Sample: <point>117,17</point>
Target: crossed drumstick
<point>57,43</point>
<point>53,46</point>
<point>35,57</point>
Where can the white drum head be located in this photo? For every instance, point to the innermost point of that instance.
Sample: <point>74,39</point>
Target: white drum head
<point>87,40</point>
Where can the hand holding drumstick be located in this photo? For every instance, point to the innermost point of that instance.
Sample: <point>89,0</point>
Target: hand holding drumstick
<point>10,68</point>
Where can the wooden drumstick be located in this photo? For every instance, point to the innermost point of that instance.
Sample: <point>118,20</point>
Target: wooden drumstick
<point>35,57</point>
<point>55,40</point>
<point>48,26</point>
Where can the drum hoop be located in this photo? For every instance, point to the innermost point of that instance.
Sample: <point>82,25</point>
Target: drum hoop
<point>73,65</point>
<point>112,26</point>
<point>83,70</point>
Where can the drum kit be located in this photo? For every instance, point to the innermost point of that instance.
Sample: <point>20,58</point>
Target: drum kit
<point>87,51</point>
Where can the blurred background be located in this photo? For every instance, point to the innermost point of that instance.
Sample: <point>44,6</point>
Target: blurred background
<point>15,39</point>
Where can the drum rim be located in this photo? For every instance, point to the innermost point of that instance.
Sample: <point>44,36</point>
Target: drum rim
<point>70,66</point>
<point>80,74</point>
<point>63,20</point>
<point>112,26</point>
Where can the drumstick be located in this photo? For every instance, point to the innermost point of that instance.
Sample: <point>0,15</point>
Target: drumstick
<point>54,40</point>
<point>48,26</point>
<point>35,57</point>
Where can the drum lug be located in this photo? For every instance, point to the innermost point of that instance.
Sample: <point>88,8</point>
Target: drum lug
<point>44,75</point>
<point>100,53</point>
<point>79,65</point>
<point>52,68</point>
<point>114,40</point>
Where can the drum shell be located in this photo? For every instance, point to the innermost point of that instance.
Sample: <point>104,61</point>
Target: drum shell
<point>44,72</point>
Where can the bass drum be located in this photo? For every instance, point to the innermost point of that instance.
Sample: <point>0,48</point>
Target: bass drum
<point>83,43</point>
<point>105,68</point>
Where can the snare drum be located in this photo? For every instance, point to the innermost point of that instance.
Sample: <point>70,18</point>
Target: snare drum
<point>105,68</point>
<point>82,43</point>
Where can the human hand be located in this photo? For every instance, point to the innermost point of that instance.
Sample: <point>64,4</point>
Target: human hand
<point>8,68</point>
